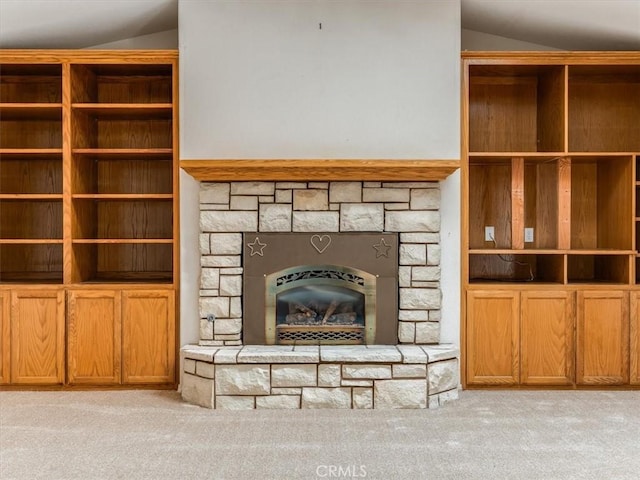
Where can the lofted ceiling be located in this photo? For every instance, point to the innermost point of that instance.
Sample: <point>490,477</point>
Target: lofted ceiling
<point>564,24</point>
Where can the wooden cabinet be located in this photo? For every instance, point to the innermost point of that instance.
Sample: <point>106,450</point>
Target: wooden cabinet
<point>547,338</point>
<point>602,337</point>
<point>88,198</point>
<point>634,373</point>
<point>37,336</point>
<point>492,337</point>
<point>5,339</point>
<point>94,336</point>
<point>148,323</point>
<point>551,209</point>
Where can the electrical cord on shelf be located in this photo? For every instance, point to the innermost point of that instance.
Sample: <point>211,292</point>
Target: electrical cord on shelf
<point>516,262</point>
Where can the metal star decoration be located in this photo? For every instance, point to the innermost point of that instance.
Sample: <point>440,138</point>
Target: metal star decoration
<point>382,249</point>
<point>257,247</point>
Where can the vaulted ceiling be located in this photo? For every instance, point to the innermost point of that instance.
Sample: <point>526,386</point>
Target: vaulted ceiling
<point>564,24</point>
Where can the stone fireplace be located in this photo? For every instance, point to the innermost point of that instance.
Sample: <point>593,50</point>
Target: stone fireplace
<point>320,294</point>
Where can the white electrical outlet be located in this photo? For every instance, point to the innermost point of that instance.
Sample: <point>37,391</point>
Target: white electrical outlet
<point>489,234</point>
<point>528,235</point>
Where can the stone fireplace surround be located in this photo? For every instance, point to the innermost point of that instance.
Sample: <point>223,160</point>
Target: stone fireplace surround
<point>222,373</point>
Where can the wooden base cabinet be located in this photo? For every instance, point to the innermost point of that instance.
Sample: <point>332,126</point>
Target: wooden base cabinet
<point>547,338</point>
<point>148,321</point>
<point>37,336</point>
<point>94,337</point>
<point>634,374</point>
<point>5,337</point>
<point>493,337</point>
<point>602,337</point>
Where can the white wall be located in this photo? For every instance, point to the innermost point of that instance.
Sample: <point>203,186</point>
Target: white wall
<point>260,79</point>
<point>472,40</point>
<point>154,41</point>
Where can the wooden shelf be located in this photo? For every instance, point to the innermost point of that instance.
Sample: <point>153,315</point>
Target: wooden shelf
<point>35,241</point>
<point>123,240</point>
<point>122,196</point>
<point>32,111</point>
<point>319,170</point>
<point>124,153</point>
<point>126,110</point>
<point>30,196</point>
<point>25,153</point>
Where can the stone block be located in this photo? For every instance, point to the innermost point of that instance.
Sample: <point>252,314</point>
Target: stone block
<point>443,398</point>
<point>226,243</point>
<point>265,354</point>
<point>206,329</point>
<point>227,326</point>
<point>278,402</point>
<point>231,285</point>
<point>218,306</point>
<point>243,202</point>
<point>304,200</point>
<point>359,353</point>
<point>209,343</point>
<point>266,199</point>
<point>291,185</point>
<point>414,315</point>
<point>433,254</point>
<point>443,376</point>
<point>197,390</point>
<point>385,195</point>
<point>396,206</point>
<point>196,352</point>
<point>400,394</point>
<point>205,248</point>
<point>345,192</point>
<point>227,221</point>
<point>234,402</point>
<point>209,278</point>
<point>304,354</point>
<point>209,293</point>
<point>206,370</point>
<point>189,366</point>
<point>404,276</point>
<point>326,397</point>
<point>362,398</point>
<point>413,354</point>
<point>411,184</point>
<point>222,261</point>
<point>413,237</point>
<point>329,375</point>
<point>214,192</point>
<point>443,351</point>
<point>284,196</point>
<point>243,380</point>
<point>227,355</point>
<point>410,371</point>
<point>356,383</point>
<point>413,254</point>
<point>294,375</point>
<point>372,184</point>
<point>324,185</point>
<point>316,221</point>
<point>419,299</point>
<point>425,274</point>
<point>412,221</point>
<point>425,199</point>
<point>286,391</point>
<point>235,307</point>
<point>227,336</point>
<point>252,188</point>
<point>360,217</point>
<point>406,332</point>
<point>427,332</point>
<point>275,217</point>
<point>364,371</point>
<point>435,315</point>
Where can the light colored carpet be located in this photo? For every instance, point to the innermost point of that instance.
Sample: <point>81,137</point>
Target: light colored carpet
<point>485,435</point>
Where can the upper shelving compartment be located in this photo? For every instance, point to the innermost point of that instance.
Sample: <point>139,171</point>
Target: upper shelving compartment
<point>604,108</point>
<point>118,84</point>
<point>516,108</point>
<point>22,84</point>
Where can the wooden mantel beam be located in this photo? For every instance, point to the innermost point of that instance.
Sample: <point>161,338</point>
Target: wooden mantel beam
<point>319,170</point>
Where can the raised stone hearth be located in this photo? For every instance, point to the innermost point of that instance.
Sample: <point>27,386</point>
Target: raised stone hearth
<point>294,377</point>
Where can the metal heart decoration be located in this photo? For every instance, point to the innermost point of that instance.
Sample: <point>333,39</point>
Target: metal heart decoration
<point>320,242</point>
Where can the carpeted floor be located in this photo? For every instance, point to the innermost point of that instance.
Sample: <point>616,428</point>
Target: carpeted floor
<point>485,435</point>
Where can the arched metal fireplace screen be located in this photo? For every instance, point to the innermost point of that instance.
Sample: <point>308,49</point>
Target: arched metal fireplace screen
<point>312,304</point>
<point>320,288</point>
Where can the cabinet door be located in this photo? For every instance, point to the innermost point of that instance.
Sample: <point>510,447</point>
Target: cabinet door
<point>37,336</point>
<point>603,338</point>
<point>635,339</point>
<point>492,337</point>
<point>5,353</point>
<point>547,338</point>
<point>94,336</point>
<point>148,322</point>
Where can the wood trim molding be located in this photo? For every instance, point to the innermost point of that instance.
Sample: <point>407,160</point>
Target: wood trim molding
<point>319,170</point>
